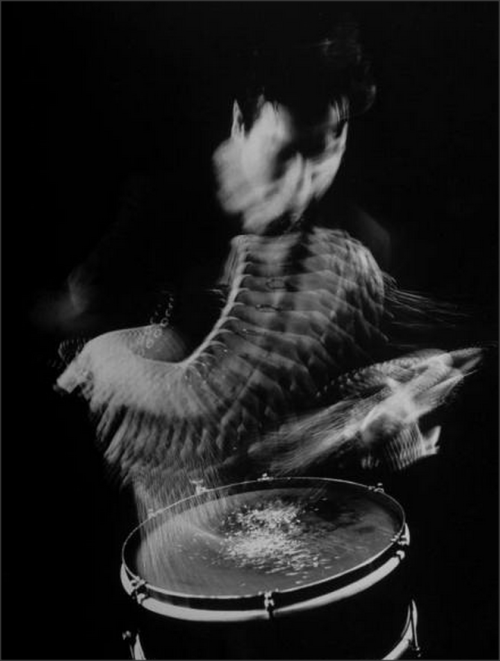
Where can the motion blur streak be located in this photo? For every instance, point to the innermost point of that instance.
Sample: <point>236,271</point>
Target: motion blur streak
<point>293,370</point>
<point>377,421</point>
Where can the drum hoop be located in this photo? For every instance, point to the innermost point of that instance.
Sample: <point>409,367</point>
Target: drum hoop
<point>282,599</point>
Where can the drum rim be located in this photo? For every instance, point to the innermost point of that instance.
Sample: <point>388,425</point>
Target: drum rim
<point>282,597</point>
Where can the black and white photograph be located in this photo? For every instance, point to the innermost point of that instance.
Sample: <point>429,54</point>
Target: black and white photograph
<point>250,330</point>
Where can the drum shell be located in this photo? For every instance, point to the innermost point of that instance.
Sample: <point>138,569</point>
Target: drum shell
<point>365,625</point>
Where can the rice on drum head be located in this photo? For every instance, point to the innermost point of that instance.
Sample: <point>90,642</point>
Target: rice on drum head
<point>273,568</point>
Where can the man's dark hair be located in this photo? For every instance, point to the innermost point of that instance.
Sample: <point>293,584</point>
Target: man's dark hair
<point>307,76</point>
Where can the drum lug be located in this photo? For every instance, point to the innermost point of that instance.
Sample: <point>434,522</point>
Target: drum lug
<point>199,487</point>
<point>269,604</point>
<point>139,590</point>
<point>402,543</point>
<point>378,488</point>
<point>403,538</point>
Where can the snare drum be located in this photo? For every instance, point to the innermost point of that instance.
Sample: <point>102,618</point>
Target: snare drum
<point>295,568</point>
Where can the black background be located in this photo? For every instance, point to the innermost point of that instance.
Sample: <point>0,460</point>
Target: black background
<point>100,96</point>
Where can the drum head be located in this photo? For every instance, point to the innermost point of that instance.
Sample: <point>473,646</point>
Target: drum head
<point>277,535</point>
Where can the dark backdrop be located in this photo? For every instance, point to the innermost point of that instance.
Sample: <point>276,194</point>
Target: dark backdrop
<point>110,114</point>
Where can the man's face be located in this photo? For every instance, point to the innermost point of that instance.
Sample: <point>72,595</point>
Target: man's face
<point>278,165</point>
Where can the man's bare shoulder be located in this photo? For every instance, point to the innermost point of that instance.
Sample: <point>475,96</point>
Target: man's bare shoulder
<point>361,225</point>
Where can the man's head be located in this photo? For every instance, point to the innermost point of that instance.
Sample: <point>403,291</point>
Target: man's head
<point>289,129</point>
<point>279,165</point>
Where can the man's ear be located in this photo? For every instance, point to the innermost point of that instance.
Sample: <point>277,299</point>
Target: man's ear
<point>238,127</point>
